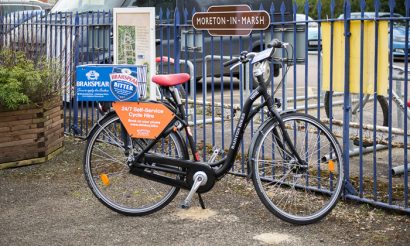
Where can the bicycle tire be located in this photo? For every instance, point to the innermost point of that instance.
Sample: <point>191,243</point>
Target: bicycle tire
<point>318,187</point>
<point>382,101</point>
<point>107,173</point>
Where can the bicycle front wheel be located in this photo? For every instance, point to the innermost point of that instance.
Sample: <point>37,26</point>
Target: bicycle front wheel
<point>295,193</point>
<point>107,153</point>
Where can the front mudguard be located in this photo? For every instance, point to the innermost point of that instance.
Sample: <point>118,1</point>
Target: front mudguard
<point>255,137</point>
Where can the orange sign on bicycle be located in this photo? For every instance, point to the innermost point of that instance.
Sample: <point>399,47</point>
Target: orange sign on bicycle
<point>143,120</point>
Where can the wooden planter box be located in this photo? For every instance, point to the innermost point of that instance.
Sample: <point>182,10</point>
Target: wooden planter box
<point>32,134</point>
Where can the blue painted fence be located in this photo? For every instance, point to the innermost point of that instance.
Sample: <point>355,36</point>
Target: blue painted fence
<point>215,95</point>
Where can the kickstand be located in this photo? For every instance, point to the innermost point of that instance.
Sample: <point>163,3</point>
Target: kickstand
<point>201,201</point>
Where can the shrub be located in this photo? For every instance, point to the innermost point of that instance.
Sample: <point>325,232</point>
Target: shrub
<point>23,80</point>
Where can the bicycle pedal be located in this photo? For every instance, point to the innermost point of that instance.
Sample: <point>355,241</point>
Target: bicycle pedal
<point>185,205</point>
<point>200,179</point>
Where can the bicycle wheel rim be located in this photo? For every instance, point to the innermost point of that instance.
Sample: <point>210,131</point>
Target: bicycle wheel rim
<point>283,186</point>
<point>108,187</point>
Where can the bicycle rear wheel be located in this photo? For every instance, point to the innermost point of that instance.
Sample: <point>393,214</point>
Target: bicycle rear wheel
<point>294,194</point>
<point>367,111</point>
<point>107,153</point>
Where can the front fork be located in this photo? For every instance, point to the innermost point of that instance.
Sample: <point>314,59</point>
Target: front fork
<point>286,137</point>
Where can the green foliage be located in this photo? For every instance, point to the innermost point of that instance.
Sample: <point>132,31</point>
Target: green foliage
<point>355,7</point>
<point>23,80</point>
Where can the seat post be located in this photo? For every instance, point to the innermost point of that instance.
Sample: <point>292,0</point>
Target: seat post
<point>175,95</point>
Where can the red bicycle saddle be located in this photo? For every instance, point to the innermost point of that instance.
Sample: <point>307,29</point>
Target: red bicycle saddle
<point>170,79</point>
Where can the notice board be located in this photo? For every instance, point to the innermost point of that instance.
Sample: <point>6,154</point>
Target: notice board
<point>134,40</point>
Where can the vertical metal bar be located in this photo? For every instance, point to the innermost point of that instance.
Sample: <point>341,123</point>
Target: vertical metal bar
<point>93,29</point>
<point>70,58</point>
<point>33,39</point>
<point>248,81</point>
<point>222,94</point>
<point>186,61</point>
<point>377,8</point>
<point>168,15</point>
<point>295,25</point>
<point>346,142</point>
<point>406,77</point>
<point>83,57</point>
<point>204,84</point>
<point>261,45</point>
<point>212,91</point>
<point>319,60</point>
<point>284,66</point>
<point>76,33</point>
<point>4,31</point>
<point>362,8</point>
<point>319,86</point>
<point>231,93</point>
<point>42,42</point>
<point>332,14</point>
<point>15,37</point>
<point>98,36</point>
<point>306,80</point>
<point>55,35</point>
<point>307,57</point>
<point>111,37</point>
<point>64,78</point>
<point>195,88</point>
<point>160,66</point>
<point>390,159</point>
<point>272,16</point>
<point>21,41</point>
<point>241,85</point>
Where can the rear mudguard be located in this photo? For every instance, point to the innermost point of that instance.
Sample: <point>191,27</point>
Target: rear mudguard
<point>255,137</point>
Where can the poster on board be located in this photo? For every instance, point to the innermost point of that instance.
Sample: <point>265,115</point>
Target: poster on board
<point>134,41</point>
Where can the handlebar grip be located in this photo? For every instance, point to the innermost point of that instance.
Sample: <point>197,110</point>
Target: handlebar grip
<point>233,61</point>
<point>275,44</point>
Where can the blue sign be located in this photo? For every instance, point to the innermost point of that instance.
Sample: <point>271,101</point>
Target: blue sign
<point>111,83</point>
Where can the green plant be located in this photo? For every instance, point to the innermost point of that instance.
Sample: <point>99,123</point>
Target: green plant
<point>23,80</point>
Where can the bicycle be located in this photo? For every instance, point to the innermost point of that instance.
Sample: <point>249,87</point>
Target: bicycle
<point>365,107</point>
<point>138,176</point>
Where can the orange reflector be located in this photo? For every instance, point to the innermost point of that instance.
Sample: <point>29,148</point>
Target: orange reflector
<point>105,179</point>
<point>331,166</point>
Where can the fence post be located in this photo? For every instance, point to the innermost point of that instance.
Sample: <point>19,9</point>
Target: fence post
<point>176,41</point>
<point>406,76</point>
<point>346,97</point>
<point>74,127</point>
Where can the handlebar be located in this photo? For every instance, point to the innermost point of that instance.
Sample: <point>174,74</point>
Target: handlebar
<point>276,44</point>
<point>245,56</point>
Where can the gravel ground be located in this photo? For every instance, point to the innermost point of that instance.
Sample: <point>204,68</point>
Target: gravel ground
<point>50,204</point>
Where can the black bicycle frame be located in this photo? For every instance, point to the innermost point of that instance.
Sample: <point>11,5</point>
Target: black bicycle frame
<point>248,112</point>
